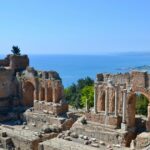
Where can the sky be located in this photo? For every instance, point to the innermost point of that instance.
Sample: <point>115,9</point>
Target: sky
<point>75,26</point>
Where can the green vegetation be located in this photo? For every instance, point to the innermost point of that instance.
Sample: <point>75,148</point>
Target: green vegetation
<point>15,50</point>
<point>141,105</point>
<point>77,94</point>
<point>82,92</point>
<point>87,96</point>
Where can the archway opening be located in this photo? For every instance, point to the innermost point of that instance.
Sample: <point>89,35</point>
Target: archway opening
<point>49,94</point>
<point>101,102</point>
<point>141,104</point>
<point>28,94</point>
<point>141,112</point>
<point>42,94</point>
<point>137,112</point>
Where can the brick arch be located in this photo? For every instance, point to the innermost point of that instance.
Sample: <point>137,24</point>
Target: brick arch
<point>143,91</point>
<point>32,81</point>
<point>131,106</point>
<point>28,93</point>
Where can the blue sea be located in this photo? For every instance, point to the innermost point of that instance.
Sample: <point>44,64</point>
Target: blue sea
<point>73,67</point>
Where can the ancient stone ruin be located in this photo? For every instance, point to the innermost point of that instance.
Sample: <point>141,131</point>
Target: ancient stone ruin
<point>113,118</point>
<point>115,98</point>
<point>112,124</point>
<point>34,113</point>
<point>32,104</point>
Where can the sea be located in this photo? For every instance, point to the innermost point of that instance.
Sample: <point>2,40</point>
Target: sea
<point>73,67</point>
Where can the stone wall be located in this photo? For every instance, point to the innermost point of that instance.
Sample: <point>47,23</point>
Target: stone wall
<point>115,95</point>
<point>61,144</point>
<point>103,119</point>
<point>19,62</point>
<point>12,138</point>
<point>20,85</point>
<point>7,83</point>
<point>50,107</point>
<point>46,88</point>
<point>5,61</point>
<point>140,79</point>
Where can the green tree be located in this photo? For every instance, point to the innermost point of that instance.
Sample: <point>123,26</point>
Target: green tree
<point>81,83</point>
<point>87,96</point>
<point>15,50</point>
<point>141,105</point>
<point>73,93</point>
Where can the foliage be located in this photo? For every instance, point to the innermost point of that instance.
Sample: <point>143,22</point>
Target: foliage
<point>75,94</point>
<point>87,95</point>
<point>15,50</point>
<point>141,105</point>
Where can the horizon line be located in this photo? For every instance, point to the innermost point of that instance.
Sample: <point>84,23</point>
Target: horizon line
<point>82,54</point>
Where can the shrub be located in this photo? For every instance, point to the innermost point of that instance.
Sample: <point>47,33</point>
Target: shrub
<point>15,50</point>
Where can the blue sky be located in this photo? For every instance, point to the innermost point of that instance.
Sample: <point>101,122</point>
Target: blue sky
<point>75,26</point>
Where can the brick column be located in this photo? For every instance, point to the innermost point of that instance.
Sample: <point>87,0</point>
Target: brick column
<point>36,95</point>
<point>116,101</point>
<point>87,107</point>
<point>106,101</point>
<point>54,92</point>
<point>40,94</point>
<point>46,92</point>
<point>95,98</point>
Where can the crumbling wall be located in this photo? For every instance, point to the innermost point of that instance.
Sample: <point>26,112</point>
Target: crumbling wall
<point>135,78</point>
<point>19,63</point>
<point>5,61</point>
<point>7,83</point>
<point>139,79</point>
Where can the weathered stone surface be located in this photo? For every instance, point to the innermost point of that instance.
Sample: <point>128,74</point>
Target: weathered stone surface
<point>67,138</point>
<point>28,87</point>
<point>94,145</point>
<point>142,140</point>
<point>60,144</point>
<point>74,135</point>
<point>115,103</point>
<point>101,142</point>
<point>22,86</point>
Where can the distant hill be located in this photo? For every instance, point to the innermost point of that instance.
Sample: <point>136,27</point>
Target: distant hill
<point>144,68</point>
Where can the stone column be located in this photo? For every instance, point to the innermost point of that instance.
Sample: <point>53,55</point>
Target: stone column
<point>87,107</point>
<point>40,93</point>
<point>116,101</point>
<point>106,101</point>
<point>123,124</point>
<point>54,92</point>
<point>95,98</point>
<point>148,116</point>
<point>46,92</point>
<point>148,111</point>
<point>36,96</point>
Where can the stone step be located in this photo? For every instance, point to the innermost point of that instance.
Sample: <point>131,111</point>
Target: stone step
<point>100,132</point>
